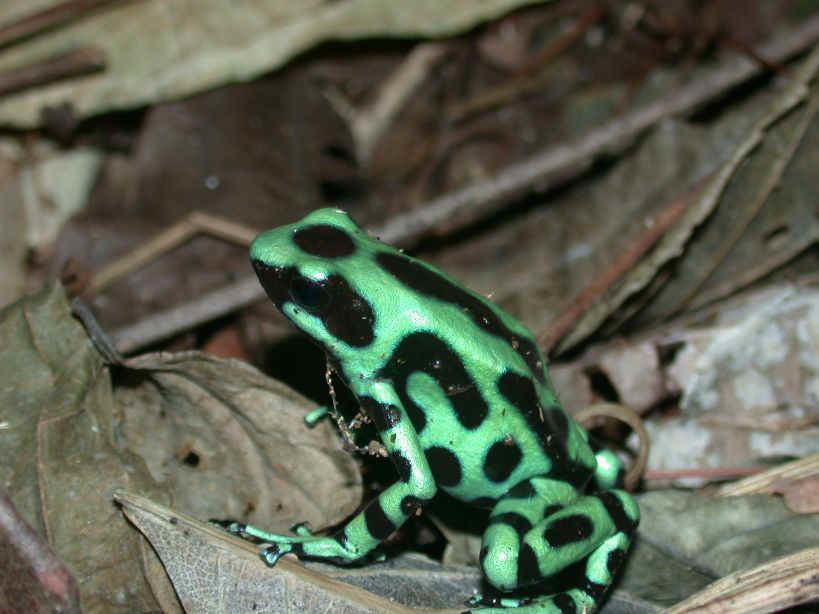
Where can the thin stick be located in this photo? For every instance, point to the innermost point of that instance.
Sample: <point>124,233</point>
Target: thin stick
<point>82,61</point>
<point>180,232</point>
<point>189,315</point>
<point>47,18</point>
<point>368,124</point>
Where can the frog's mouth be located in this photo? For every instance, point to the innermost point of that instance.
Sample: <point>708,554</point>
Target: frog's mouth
<point>274,279</point>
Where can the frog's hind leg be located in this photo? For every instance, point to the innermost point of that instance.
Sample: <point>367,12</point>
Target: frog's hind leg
<point>542,527</point>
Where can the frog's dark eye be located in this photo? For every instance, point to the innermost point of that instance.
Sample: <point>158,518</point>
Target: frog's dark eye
<point>310,294</point>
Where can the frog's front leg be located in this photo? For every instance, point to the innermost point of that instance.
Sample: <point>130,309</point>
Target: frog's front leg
<point>541,527</point>
<point>365,531</point>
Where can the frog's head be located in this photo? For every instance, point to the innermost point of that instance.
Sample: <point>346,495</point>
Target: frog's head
<point>304,268</point>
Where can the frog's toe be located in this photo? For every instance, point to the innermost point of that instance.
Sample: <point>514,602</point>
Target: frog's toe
<point>487,601</point>
<point>312,418</point>
<point>236,528</point>
<point>494,601</point>
<point>272,553</point>
<point>302,529</point>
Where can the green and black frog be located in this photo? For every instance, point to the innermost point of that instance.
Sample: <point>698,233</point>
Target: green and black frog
<point>462,402</point>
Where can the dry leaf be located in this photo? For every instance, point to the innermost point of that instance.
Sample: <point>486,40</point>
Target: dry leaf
<point>59,456</point>
<point>229,575</point>
<point>199,44</point>
<point>231,443</point>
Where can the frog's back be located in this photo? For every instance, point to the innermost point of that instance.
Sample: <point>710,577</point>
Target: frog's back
<point>469,376</point>
<point>474,384</point>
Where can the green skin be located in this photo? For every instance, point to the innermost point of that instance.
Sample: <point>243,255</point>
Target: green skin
<point>462,401</point>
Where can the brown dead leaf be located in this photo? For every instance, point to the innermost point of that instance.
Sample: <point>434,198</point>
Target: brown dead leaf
<point>232,443</point>
<point>59,454</point>
<point>216,436</point>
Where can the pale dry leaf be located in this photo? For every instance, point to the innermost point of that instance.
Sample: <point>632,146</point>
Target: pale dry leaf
<point>232,443</point>
<point>215,572</point>
<point>157,50</point>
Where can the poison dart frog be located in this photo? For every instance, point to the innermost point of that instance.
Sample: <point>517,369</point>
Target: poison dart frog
<point>462,401</point>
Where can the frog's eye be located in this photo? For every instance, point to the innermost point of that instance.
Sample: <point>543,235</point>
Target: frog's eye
<point>311,295</point>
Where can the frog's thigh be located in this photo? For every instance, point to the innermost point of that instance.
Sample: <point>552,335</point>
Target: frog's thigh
<point>531,538</point>
<point>505,557</point>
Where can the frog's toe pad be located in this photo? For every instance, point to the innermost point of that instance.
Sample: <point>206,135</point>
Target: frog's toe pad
<point>479,599</point>
<point>271,553</point>
<point>302,529</point>
<point>236,528</point>
<point>495,601</point>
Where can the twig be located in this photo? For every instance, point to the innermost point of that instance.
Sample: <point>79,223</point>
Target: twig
<point>98,337</point>
<point>369,123</point>
<point>592,413</point>
<point>82,61</point>
<point>706,473</point>
<point>772,479</point>
<point>47,18</point>
<point>195,223</point>
<point>776,585</point>
<point>778,420</point>
<point>188,315</point>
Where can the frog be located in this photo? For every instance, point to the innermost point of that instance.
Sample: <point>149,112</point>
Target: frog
<point>462,401</point>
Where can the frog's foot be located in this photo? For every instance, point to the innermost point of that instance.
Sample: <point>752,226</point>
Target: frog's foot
<point>272,553</point>
<point>301,529</point>
<point>577,545</point>
<point>489,602</point>
<point>312,418</point>
<point>303,544</point>
<point>571,601</point>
